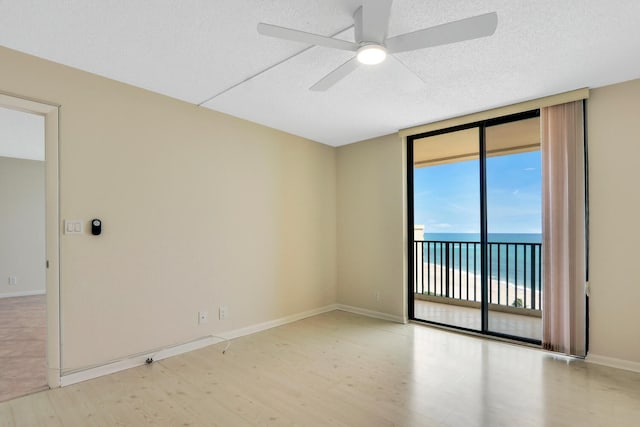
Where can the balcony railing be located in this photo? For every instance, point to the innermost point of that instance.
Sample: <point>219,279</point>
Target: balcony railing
<point>452,270</point>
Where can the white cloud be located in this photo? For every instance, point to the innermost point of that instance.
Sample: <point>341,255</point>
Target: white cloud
<point>441,225</point>
<point>529,169</point>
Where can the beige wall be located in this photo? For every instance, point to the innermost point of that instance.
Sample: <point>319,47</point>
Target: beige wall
<point>199,209</point>
<point>22,217</point>
<point>371,231</point>
<point>614,177</point>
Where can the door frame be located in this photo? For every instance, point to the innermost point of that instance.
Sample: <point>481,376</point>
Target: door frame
<point>51,115</point>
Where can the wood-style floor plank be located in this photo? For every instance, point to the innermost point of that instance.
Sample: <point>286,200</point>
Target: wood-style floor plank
<point>23,345</point>
<point>340,369</point>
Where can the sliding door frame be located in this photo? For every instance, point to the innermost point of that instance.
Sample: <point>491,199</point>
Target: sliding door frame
<point>410,139</point>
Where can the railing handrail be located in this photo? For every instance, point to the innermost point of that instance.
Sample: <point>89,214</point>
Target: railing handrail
<point>478,242</point>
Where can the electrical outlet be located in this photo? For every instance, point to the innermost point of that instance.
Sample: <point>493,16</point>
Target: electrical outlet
<point>223,312</point>
<point>203,317</point>
<point>376,294</point>
<point>13,280</point>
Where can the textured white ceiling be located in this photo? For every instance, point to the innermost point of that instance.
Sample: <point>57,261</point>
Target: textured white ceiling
<point>21,135</point>
<point>196,49</point>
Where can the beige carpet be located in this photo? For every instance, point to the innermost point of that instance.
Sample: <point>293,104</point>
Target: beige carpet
<point>23,339</point>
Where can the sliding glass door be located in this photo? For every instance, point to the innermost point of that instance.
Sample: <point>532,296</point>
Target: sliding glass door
<point>447,277</point>
<point>514,228</point>
<point>475,223</point>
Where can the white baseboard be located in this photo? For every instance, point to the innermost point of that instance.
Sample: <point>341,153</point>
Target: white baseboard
<point>22,294</point>
<point>613,362</point>
<point>248,330</point>
<point>370,313</point>
<point>136,360</point>
<point>140,359</point>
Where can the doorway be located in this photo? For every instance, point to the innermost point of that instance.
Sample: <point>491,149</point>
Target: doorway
<point>30,298</point>
<point>474,194</point>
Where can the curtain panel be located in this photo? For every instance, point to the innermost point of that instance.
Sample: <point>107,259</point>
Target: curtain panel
<point>563,228</point>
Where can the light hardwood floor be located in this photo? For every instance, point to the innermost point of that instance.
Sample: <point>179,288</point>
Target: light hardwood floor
<point>23,340</point>
<point>342,369</point>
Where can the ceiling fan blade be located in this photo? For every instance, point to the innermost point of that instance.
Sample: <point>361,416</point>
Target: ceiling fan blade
<point>452,32</point>
<point>336,75</point>
<point>357,24</point>
<point>375,20</point>
<point>303,37</point>
<point>372,21</point>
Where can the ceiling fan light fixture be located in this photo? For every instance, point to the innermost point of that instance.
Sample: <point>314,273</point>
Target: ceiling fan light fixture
<point>371,54</point>
<point>370,41</point>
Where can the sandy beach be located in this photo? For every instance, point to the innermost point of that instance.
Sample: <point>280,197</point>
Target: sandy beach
<point>467,286</point>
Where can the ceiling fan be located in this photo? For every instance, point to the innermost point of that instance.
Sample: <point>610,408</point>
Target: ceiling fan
<point>371,43</point>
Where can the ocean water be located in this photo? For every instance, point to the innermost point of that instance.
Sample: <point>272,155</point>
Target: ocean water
<point>514,257</point>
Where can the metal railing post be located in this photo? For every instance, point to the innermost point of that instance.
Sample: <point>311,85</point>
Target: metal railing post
<point>533,277</point>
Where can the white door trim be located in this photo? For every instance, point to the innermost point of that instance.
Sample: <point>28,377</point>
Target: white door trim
<point>52,229</point>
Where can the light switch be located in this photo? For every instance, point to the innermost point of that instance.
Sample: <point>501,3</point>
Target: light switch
<point>72,226</point>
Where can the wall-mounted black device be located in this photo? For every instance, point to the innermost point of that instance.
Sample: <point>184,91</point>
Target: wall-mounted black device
<point>96,227</point>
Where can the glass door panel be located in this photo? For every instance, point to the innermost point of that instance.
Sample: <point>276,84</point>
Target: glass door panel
<point>514,222</point>
<point>446,252</point>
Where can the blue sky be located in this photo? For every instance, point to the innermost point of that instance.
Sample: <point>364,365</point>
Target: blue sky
<point>447,197</point>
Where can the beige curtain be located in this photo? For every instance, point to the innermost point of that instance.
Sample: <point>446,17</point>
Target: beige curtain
<point>563,228</point>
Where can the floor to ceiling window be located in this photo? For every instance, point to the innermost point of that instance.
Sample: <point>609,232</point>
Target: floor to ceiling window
<point>475,216</point>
